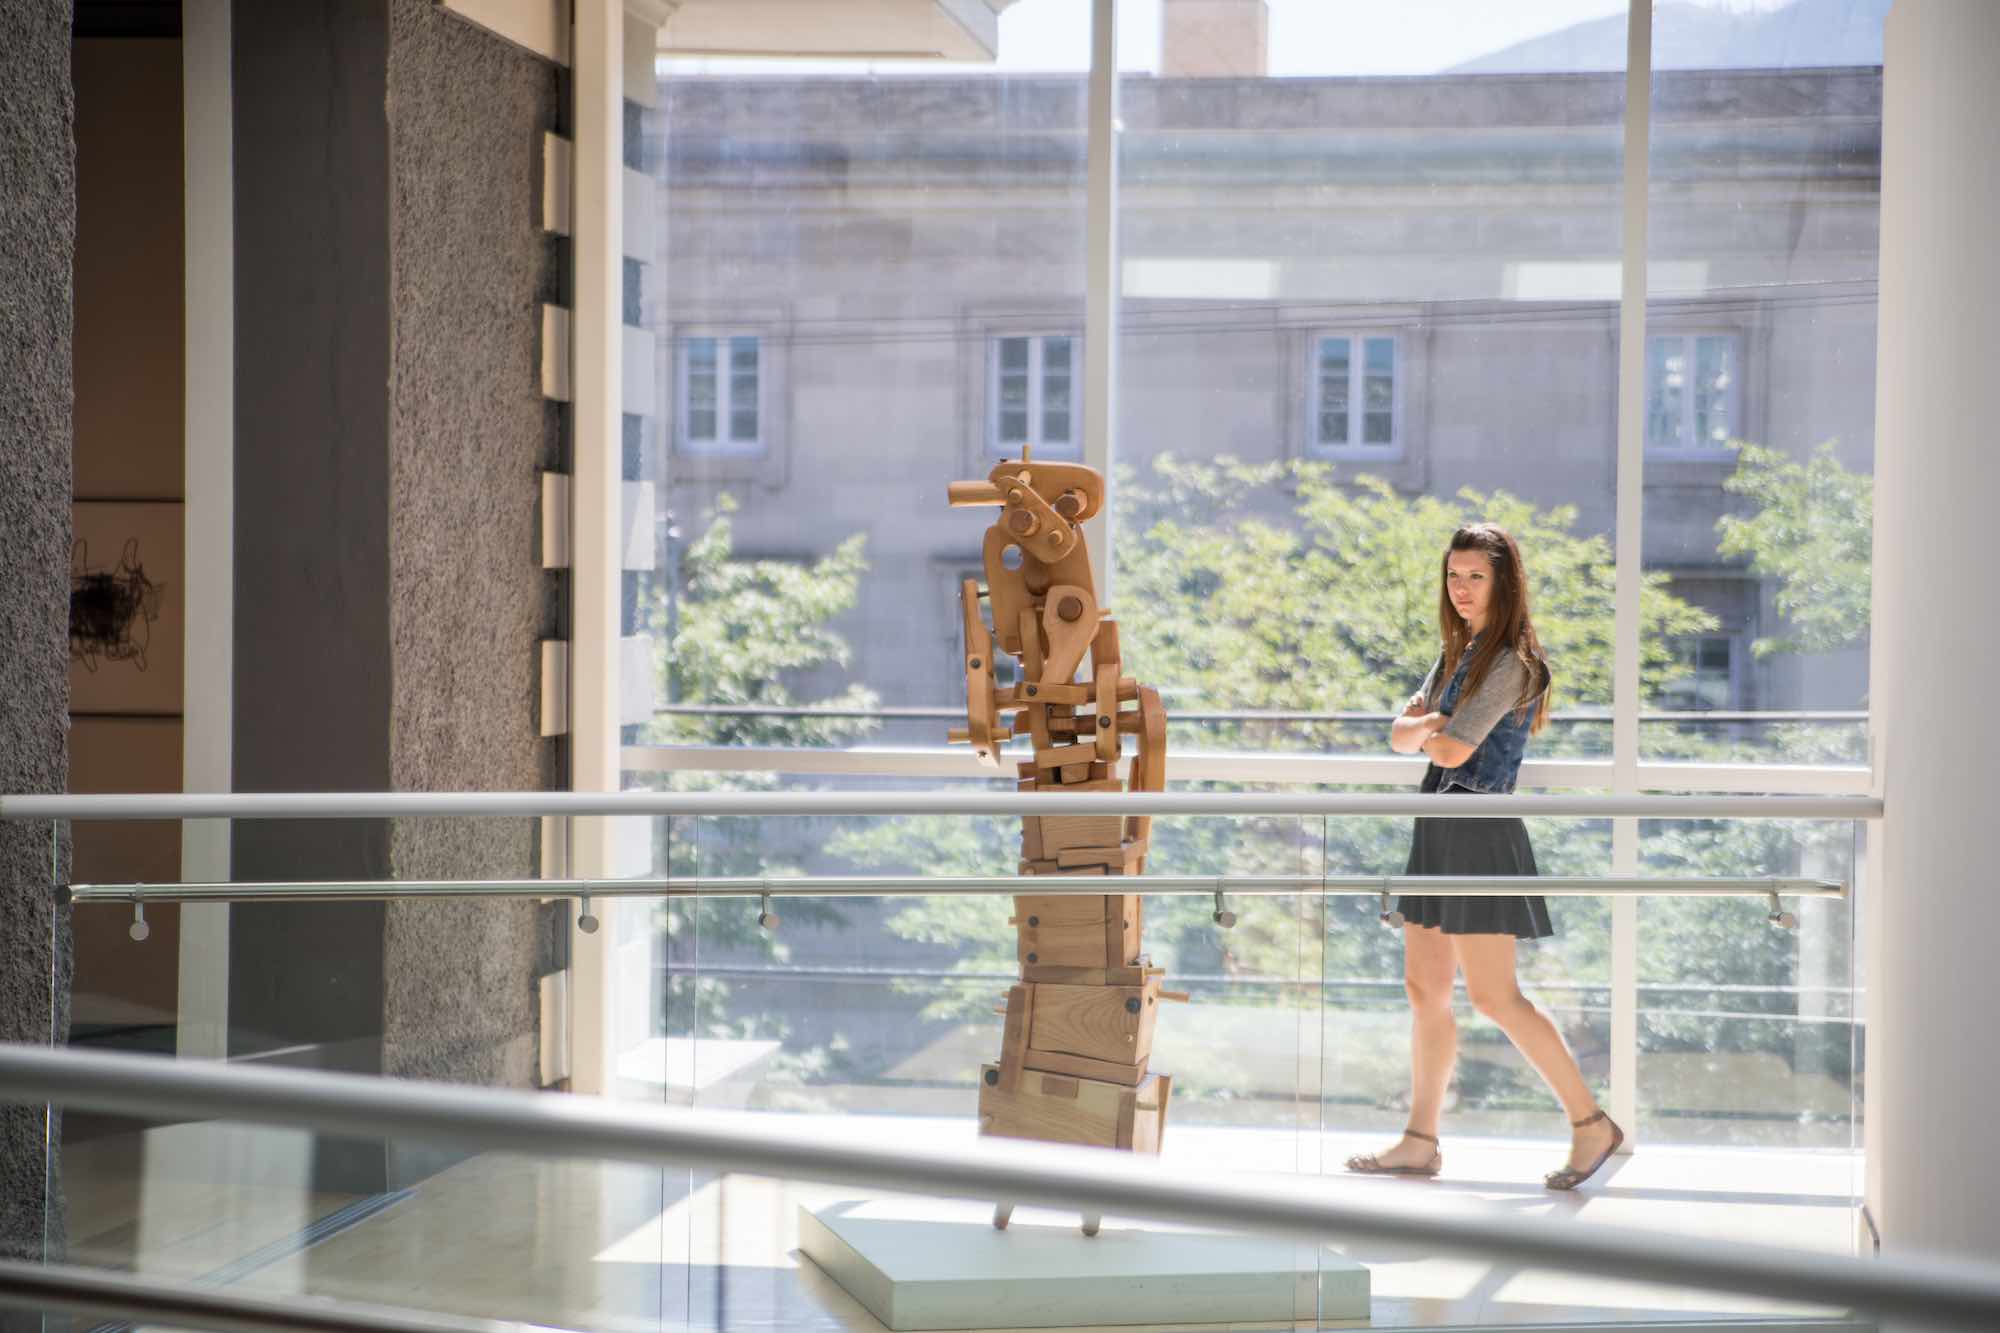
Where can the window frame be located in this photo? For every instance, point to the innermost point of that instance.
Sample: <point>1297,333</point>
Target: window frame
<point>1684,446</point>
<point>1357,410</point>
<point>994,446</point>
<point>721,445</point>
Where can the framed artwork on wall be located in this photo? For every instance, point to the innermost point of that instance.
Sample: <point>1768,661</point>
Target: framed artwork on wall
<point>127,608</point>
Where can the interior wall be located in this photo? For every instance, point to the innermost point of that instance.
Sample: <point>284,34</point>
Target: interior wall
<point>311,666</point>
<point>128,463</point>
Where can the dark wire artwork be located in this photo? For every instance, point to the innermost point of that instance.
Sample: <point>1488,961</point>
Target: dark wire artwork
<point>111,611</point>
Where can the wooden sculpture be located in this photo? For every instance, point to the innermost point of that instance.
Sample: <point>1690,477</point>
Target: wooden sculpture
<point>1080,1022</point>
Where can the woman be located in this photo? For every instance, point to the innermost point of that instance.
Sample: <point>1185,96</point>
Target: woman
<point>1488,691</point>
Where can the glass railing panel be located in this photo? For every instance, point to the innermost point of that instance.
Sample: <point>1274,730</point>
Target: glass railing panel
<point>1750,1039</point>
<point>349,947</point>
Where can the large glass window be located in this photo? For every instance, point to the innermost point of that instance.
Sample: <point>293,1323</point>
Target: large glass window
<point>1764,168</point>
<point>1369,278</point>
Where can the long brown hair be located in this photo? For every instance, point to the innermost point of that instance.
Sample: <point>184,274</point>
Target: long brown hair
<point>1509,628</point>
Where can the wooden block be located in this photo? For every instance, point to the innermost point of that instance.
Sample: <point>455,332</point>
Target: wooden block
<point>1120,859</point>
<point>1149,1123</point>
<point>1110,1023</point>
<point>1104,1071</point>
<point>1149,766</point>
<point>1099,772</point>
<point>1065,946</point>
<point>1068,909</point>
<point>1128,1116</point>
<point>1048,867</point>
<point>1104,645</point>
<point>1014,1037</point>
<point>1077,1110</point>
<point>1105,712</point>
<point>1030,630</point>
<point>1090,976</point>
<point>1165,1089</point>
<point>1060,756</point>
<point>1095,784</point>
<point>1123,926</point>
<point>1064,831</point>
<point>1031,839</point>
<point>1073,774</point>
<point>1019,696</point>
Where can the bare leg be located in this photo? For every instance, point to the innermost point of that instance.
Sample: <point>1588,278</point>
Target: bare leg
<point>1428,966</point>
<point>1488,962</point>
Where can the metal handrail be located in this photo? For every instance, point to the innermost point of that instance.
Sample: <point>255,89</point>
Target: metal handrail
<point>390,805</point>
<point>901,886</point>
<point>1601,713</point>
<point>538,1124</point>
<point>935,712</point>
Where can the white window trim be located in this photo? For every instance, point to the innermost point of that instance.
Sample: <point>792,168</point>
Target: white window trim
<point>1682,446</point>
<point>998,448</point>
<point>721,445</point>
<point>1357,340</point>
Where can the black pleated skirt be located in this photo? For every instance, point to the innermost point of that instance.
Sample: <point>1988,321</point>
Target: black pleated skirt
<point>1473,847</point>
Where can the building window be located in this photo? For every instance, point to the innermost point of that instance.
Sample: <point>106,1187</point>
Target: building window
<point>1694,394</point>
<point>720,395</point>
<point>1356,395</point>
<point>1033,390</point>
<point>1705,680</point>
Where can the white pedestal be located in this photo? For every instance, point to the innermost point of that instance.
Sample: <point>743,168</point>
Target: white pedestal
<point>922,1264</point>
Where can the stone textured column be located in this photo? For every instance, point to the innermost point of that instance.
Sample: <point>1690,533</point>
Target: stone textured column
<point>37,251</point>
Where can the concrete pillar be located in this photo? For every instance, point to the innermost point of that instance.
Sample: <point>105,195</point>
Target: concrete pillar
<point>37,253</point>
<point>1934,1182</point>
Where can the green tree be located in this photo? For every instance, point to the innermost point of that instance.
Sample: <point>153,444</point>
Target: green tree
<point>744,632</point>
<point>1811,532</point>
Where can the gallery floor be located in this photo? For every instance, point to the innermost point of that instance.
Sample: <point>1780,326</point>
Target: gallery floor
<point>582,1244</point>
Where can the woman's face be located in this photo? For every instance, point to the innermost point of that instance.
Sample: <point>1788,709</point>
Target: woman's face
<point>1468,580</point>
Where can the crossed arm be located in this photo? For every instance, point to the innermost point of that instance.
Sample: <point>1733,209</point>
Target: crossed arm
<point>1420,732</point>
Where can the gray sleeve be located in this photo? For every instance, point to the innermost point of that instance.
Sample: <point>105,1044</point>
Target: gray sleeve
<point>1496,697</point>
<point>1429,689</point>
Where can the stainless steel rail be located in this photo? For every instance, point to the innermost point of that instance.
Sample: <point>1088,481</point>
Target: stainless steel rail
<point>922,886</point>
<point>85,1291</point>
<point>937,712</point>
<point>390,805</point>
<point>1305,1208</point>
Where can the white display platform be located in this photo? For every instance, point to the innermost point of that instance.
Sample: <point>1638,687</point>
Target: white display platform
<point>925,1264</point>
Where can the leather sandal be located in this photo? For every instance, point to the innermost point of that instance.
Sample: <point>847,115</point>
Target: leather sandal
<point>1569,1177</point>
<point>1371,1164</point>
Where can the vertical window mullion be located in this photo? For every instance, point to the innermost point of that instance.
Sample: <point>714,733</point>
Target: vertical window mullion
<point>1357,390</point>
<point>1690,386</point>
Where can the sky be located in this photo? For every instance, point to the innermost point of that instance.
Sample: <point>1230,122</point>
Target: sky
<point>1307,37</point>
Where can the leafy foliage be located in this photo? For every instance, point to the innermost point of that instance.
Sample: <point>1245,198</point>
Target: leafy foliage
<point>1811,532</point>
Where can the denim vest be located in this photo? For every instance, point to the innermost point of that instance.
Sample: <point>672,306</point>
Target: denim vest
<point>1493,767</point>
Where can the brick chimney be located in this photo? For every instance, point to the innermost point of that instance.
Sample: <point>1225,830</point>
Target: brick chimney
<point>1214,39</point>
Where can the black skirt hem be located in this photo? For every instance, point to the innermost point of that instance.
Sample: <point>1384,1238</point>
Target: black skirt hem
<point>1443,846</point>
